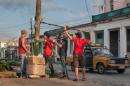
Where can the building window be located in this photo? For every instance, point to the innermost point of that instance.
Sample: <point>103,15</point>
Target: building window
<point>99,37</point>
<point>86,35</point>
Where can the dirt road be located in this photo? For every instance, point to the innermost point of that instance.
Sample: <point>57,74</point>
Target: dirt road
<point>110,78</point>
<point>94,79</point>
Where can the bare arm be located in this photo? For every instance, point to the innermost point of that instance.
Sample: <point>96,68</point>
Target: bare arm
<point>24,45</point>
<point>88,41</point>
<point>58,44</point>
<point>66,32</point>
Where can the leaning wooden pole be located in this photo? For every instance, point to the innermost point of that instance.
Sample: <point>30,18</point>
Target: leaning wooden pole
<point>37,26</point>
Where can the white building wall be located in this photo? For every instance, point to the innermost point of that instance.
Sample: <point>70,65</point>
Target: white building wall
<point>112,25</point>
<point>106,27</point>
<point>3,44</point>
<point>121,24</point>
<point>123,42</point>
<point>106,39</point>
<point>92,36</point>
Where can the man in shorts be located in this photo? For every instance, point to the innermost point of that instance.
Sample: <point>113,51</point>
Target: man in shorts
<point>78,53</point>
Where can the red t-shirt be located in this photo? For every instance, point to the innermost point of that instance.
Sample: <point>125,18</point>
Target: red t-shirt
<point>79,44</point>
<point>48,48</point>
<point>21,49</point>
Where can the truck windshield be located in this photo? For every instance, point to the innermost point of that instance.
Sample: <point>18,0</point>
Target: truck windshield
<point>102,52</point>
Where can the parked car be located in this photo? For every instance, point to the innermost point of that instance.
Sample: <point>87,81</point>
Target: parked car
<point>101,59</point>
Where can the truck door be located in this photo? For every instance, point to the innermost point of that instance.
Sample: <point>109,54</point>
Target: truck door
<point>89,57</point>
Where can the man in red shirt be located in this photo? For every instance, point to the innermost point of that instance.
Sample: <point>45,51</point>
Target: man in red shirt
<point>78,53</point>
<point>23,51</point>
<point>48,51</point>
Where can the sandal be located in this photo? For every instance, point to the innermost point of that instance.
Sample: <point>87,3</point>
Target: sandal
<point>75,80</point>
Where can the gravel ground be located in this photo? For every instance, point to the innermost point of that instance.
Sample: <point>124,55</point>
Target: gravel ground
<point>111,78</point>
<point>94,79</point>
<point>41,82</point>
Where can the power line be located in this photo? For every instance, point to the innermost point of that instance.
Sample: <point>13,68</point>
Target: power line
<point>52,24</point>
<point>87,9</point>
<point>55,25</point>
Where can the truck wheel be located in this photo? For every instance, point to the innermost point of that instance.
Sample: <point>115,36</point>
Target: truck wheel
<point>120,71</point>
<point>72,66</point>
<point>101,68</point>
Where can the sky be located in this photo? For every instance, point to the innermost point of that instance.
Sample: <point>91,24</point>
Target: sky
<point>15,15</point>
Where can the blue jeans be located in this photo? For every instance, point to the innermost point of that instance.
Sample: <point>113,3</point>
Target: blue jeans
<point>23,64</point>
<point>63,64</point>
<point>49,64</point>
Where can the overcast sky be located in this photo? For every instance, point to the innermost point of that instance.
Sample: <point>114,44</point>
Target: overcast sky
<point>15,14</point>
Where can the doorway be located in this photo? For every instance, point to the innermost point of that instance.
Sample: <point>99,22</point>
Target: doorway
<point>128,42</point>
<point>114,42</point>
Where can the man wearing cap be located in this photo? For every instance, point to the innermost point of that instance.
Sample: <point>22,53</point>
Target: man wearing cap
<point>78,52</point>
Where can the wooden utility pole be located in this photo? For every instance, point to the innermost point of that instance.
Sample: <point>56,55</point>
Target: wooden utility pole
<point>33,62</point>
<point>37,19</point>
<point>37,27</point>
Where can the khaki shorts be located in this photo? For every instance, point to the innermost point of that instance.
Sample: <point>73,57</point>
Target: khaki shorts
<point>79,59</point>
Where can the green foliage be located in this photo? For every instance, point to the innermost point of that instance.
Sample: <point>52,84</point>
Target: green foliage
<point>2,66</point>
<point>13,63</point>
<point>6,65</point>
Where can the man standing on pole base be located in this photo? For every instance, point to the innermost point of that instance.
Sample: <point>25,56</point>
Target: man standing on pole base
<point>78,53</point>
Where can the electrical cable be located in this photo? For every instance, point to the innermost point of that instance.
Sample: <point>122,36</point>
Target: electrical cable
<point>87,9</point>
